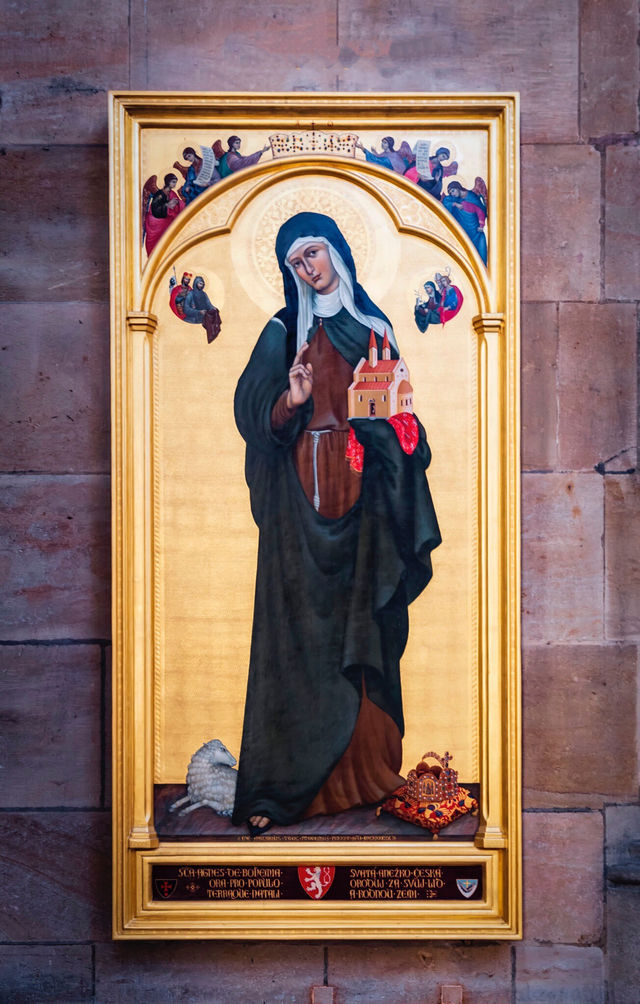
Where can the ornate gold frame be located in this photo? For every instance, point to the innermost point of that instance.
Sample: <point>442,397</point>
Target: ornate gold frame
<point>497,845</point>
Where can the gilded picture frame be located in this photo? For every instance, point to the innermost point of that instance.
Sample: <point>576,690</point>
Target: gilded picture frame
<point>424,192</point>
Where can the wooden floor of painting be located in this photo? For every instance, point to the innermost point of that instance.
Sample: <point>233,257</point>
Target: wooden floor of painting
<point>355,824</point>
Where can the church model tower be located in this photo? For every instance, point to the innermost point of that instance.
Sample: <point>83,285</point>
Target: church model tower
<point>380,387</point>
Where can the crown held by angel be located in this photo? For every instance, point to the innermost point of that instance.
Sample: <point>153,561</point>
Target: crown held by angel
<point>468,206</point>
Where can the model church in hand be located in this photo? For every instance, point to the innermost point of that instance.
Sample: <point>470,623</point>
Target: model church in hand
<point>380,387</point>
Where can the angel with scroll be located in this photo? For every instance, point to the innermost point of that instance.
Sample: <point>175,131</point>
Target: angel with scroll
<point>429,172</point>
<point>201,172</point>
<point>160,206</point>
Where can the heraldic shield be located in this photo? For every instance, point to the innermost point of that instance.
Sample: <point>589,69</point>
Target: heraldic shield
<point>165,888</point>
<point>316,880</point>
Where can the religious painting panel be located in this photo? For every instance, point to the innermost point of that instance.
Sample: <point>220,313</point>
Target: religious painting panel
<point>315,404</point>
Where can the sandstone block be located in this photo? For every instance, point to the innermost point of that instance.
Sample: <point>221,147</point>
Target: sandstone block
<point>55,557</point>
<point>579,704</point>
<point>623,830</point>
<point>531,48</point>
<point>596,382</point>
<point>563,877</point>
<point>33,974</point>
<point>559,974</point>
<point>56,245</point>
<point>622,222</point>
<point>207,972</point>
<point>322,995</point>
<point>54,384</point>
<point>288,47</point>
<point>608,67</point>
<point>562,524</point>
<point>55,872</point>
<point>623,943</point>
<point>539,391</point>
<point>560,228</point>
<point>622,555</point>
<point>50,735</point>
<point>363,972</point>
<point>70,55</point>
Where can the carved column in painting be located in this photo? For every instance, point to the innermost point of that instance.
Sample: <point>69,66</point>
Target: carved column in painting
<point>139,631</point>
<point>492,669</point>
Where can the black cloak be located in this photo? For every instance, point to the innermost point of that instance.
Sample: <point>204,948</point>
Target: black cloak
<point>331,594</point>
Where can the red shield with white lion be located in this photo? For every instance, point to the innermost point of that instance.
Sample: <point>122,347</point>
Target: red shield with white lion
<point>316,880</point>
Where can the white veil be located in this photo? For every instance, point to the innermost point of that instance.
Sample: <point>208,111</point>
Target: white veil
<point>310,302</point>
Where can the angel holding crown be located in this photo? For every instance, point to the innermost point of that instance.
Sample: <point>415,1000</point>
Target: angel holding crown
<point>232,160</point>
<point>395,160</point>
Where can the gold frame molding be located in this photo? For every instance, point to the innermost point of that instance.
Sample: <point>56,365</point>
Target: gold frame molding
<point>497,845</point>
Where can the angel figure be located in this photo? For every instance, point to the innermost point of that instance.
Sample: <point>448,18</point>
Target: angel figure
<point>160,206</point>
<point>428,172</point>
<point>469,208</point>
<point>201,172</point>
<point>395,160</point>
<point>231,160</point>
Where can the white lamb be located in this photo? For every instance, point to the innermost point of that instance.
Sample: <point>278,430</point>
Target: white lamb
<point>211,780</point>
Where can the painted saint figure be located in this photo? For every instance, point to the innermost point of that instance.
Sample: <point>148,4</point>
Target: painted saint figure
<point>232,160</point>
<point>199,175</point>
<point>198,309</point>
<point>162,208</point>
<point>469,208</point>
<point>426,311</point>
<point>395,160</point>
<point>341,554</point>
<point>178,293</point>
<point>442,303</point>
<point>437,171</point>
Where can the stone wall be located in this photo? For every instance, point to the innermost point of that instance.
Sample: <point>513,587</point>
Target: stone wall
<point>576,65</point>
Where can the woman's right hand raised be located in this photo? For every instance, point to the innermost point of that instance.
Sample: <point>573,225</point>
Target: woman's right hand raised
<point>300,380</point>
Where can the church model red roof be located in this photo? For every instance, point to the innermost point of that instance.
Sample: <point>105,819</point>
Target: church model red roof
<point>380,387</point>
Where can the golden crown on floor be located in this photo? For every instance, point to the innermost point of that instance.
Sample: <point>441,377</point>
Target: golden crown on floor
<point>431,796</point>
<point>433,783</point>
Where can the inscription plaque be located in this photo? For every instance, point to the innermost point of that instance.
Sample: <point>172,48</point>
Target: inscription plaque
<point>342,882</point>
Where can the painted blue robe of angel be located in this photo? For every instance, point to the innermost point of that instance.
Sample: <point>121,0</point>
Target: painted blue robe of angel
<point>469,208</point>
<point>200,174</point>
<point>395,160</point>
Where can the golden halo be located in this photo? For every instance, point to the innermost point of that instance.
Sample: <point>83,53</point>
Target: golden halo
<point>438,141</point>
<point>312,200</point>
